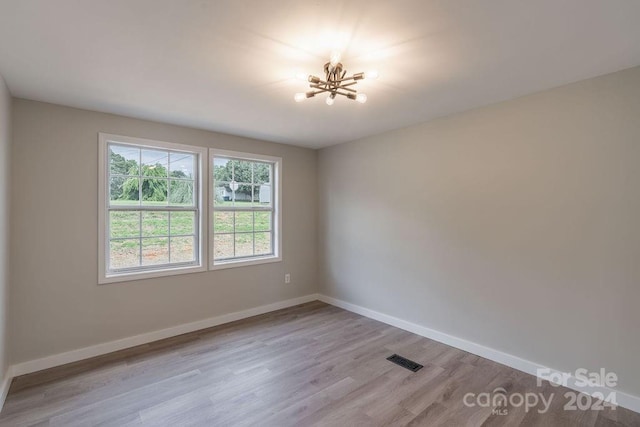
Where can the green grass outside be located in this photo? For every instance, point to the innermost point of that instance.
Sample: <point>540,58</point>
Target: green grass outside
<point>153,227</point>
<point>244,244</point>
<point>126,224</point>
<point>223,222</point>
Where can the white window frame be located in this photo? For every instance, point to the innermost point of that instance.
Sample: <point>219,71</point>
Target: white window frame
<point>277,210</point>
<point>201,184</point>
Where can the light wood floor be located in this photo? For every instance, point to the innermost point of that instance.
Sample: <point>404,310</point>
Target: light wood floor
<point>312,364</point>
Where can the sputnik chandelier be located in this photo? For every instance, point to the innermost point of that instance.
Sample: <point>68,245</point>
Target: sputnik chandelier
<point>335,83</point>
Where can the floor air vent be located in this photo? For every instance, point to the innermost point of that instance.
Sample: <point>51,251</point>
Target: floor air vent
<point>405,363</point>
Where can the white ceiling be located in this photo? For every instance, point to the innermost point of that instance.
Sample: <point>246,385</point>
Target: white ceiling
<point>230,66</point>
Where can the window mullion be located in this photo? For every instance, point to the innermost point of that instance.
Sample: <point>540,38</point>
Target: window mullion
<point>253,213</point>
<point>153,208</point>
<point>243,209</point>
<point>140,237</point>
<point>195,211</point>
<point>169,234</point>
<point>140,181</point>
<point>234,233</point>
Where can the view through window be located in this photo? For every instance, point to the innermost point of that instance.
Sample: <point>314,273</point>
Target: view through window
<point>243,208</point>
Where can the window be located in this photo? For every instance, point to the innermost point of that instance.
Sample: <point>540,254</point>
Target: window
<point>245,209</point>
<point>150,208</point>
<point>154,201</point>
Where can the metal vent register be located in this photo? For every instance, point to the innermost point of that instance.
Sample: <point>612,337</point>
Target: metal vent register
<point>405,363</point>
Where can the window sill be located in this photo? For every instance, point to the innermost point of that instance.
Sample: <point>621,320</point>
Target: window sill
<point>219,265</point>
<point>128,277</point>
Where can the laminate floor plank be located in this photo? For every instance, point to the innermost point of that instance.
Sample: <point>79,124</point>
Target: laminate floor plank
<point>309,365</point>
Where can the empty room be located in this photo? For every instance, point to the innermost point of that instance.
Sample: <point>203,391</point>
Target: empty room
<point>319,213</point>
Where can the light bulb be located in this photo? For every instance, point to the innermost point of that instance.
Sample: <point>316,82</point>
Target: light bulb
<point>300,96</point>
<point>330,100</point>
<point>373,74</point>
<point>361,98</point>
<point>335,58</point>
<point>302,76</point>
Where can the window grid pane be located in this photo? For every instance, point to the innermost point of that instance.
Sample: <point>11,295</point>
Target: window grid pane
<point>146,177</point>
<point>153,233</point>
<point>162,172</point>
<point>230,246</point>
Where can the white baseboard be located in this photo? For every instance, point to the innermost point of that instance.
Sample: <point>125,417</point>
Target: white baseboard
<point>624,400</point>
<point>6,383</point>
<point>108,347</point>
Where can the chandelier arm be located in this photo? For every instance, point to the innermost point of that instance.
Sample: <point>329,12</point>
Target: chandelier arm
<point>333,88</point>
<point>320,82</point>
<point>324,88</point>
<point>343,93</point>
<point>337,87</point>
<point>336,91</point>
<point>348,89</point>
<point>320,90</point>
<point>348,78</point>
<point>346,86</point>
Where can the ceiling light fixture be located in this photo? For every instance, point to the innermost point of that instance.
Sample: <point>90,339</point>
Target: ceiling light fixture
<point>335,83</point>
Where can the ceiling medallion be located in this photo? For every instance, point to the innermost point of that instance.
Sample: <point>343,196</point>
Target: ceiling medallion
<point>335,83</point>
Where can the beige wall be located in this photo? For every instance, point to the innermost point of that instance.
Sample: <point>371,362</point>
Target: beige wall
<point>57,304</point>
<point>5,141</point>
<point>516,226</point>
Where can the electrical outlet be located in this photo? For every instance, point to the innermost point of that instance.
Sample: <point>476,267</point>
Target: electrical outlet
<point>287,278</point>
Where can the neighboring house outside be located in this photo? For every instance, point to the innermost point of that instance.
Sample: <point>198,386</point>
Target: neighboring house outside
<point>225,194</point>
